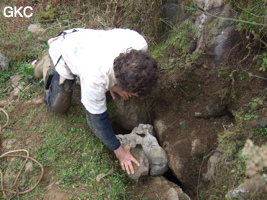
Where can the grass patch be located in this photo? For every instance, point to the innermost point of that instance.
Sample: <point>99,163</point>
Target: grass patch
<point>177,45</point>
<point>65,146</point>
<point>78,157</point>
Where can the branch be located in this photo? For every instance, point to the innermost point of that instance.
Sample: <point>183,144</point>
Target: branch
<point>224,18</point>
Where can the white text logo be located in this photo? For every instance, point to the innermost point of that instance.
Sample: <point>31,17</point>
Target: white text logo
<point>21,11</point>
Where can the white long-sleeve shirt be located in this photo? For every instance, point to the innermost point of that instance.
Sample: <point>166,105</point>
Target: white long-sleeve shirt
<point>89,54</point>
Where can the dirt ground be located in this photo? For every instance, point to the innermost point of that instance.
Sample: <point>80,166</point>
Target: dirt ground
<point>201,89</point>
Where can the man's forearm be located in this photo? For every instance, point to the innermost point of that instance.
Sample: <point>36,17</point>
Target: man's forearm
<point>101,127</point>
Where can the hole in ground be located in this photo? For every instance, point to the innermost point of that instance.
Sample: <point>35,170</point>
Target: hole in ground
<point>118,129</point>
<point>170,177</point>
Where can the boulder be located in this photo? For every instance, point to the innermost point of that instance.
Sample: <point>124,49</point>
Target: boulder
<point>143,137</point>
<point>209,4</point>
<point>249,189</point>
<point>182,152</point>
<point>160,129</point>
<point>143,169</point>
<point>216,35</point>
<point>129,114</point>
<point>161,188</point>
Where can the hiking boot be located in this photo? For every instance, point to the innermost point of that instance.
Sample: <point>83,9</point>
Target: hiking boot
<point>41,68</point>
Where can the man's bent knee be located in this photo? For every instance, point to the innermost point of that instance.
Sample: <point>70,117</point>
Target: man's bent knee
<point>59,96</point>
<point>60,102</point>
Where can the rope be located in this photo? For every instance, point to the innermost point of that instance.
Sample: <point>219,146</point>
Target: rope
<point>16,191</point>
<point>7,119</point>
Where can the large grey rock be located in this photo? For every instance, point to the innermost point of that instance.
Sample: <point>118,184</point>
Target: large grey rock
<point>243,191</point>
<point>143,137</point>
<point>161,130</point>
<point>161,188</point>
<point>216,35</point>
<point>129,114</point>
<point>4,62</point>
<point>209,4</point>
<point>143,169</point>
<point>182,151</point>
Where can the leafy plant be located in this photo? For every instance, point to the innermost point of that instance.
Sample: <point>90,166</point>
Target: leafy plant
<point>252,20</point>
<point>183,124</point>
<point>263,131</point>
<point>26,70</point>
<point>8,135</point>
<point>261,60</point>
<point>249,117</point>
<point>222,74</point>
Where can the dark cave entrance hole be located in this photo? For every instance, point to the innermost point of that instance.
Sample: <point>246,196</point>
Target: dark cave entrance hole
<point>172,178</point>
<point>119,130</point>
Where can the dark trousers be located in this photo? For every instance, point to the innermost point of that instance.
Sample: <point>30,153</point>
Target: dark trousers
<point>58,96</point>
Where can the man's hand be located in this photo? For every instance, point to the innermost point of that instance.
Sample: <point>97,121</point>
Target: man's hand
<point>122,93</point>
<point>125,157</point>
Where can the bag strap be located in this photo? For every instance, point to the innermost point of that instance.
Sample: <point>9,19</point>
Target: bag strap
<point>63,33</point>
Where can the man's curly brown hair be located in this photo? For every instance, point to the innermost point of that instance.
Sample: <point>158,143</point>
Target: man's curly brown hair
<point>136,72</point>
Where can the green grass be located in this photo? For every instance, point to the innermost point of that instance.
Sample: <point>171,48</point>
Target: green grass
<point>176,45</point>
<point>66,147</point>
<point>78,157</point>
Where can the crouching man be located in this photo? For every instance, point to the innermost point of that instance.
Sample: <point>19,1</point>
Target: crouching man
<point>103,60</point>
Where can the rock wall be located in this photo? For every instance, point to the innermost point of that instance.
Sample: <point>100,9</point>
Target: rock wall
<point>215,35</point>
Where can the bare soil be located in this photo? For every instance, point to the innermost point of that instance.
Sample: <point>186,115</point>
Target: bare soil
<point>215,93</point>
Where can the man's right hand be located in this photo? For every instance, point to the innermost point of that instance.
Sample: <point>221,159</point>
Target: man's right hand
<point>125,158</point>
<point>125,95</point>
